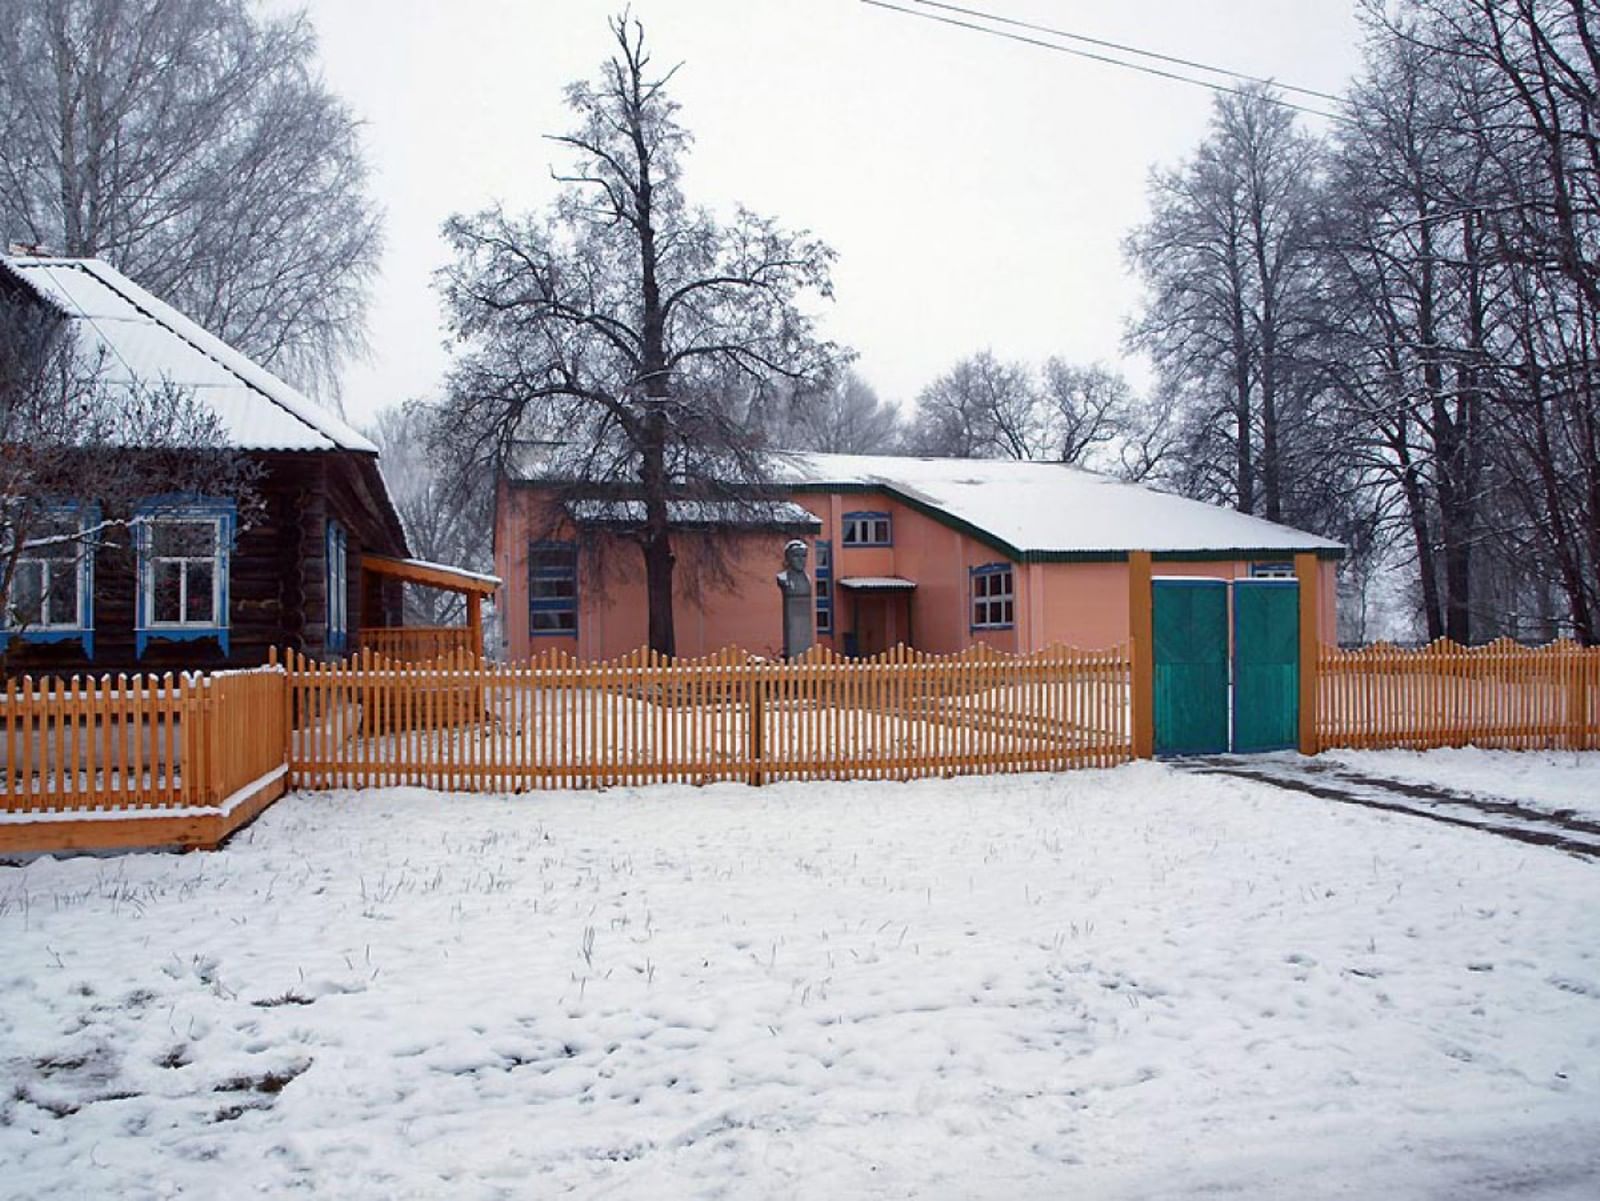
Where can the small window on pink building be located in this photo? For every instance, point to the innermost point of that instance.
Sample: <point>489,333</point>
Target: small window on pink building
<point>867,529</point>
<point>993,597</point>
<point>553,588</point>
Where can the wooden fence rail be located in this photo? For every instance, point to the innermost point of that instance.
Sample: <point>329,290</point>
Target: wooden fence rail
<point>417,644</point>
<point>554,722</point>
<point>188,759</point>
<point>1500,695</point>
<point>138,760</point>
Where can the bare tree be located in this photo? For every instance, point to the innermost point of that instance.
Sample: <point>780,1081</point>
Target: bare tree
<point>982,408</point>
<point>445,505</point>
<point>69,433</point>
<point>1232,279</point>
<point>1088,413</point>
<point>846,418</point>
<point>611,330</point>
<point>195,148</point>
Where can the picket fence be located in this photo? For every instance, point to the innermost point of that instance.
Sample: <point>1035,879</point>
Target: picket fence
<point>555,722</point>
<point>416,644</point>
<point>181,760</point>
<point>185,760</point>
<point>1500,695</point>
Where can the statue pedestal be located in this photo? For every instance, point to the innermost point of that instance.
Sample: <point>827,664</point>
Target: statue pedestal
<point>797,621</point>
<point>799,616</point>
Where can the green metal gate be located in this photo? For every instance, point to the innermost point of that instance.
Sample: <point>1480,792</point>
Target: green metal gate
<point>1194,711</point>
<point>1266,665</point>
<point>1190,621</point>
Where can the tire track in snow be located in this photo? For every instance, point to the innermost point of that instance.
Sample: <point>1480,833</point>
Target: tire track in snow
<point>1559,830</point>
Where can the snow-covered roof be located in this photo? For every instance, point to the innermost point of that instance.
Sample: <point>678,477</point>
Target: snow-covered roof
<point>1050,508</point>
<point>877,583</point>
<point>754,513</point>
<point>136,338</point>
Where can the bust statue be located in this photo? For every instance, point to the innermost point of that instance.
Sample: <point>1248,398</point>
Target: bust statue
<point>795,586</point>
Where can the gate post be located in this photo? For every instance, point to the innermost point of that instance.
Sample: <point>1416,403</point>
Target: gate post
<point>1141,630</point>
<point>1308,571</point>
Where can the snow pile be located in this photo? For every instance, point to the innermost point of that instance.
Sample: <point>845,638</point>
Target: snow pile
<point>1131,983</point>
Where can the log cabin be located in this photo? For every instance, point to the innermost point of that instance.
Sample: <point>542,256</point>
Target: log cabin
<point>315,561</point>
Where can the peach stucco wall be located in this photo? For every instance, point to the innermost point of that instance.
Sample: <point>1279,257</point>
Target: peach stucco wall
<point>1081,604</point>
<point>613,615</point>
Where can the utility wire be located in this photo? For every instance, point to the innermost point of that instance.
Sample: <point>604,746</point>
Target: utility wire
<point>1120,47</point>
<point>1102,58</point>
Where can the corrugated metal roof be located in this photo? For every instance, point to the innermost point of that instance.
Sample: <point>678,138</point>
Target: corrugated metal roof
<point>133,337</point>
<point>754,513</point>
<point>877,583</point>
<point>1050,508</point>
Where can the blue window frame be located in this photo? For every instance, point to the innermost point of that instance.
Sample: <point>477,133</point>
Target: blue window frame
<point>866,529</point>
<point>553,588</point>
<point>824,586</point>
<point>51,598</point>
<point>993,597</point>
<point>338,588</point>
<point>185,544</point>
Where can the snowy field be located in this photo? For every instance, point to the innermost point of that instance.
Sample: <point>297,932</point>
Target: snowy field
<point>1119,984</point>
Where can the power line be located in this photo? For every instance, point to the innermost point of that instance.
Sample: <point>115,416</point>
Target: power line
<point>1102,58</point>
<point>1122,48</point>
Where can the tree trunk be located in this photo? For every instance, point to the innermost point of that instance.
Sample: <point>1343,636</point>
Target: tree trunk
<point>658,557</point>
<point>1244,466</point>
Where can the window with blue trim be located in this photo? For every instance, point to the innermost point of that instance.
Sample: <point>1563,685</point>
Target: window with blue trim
<point>52,585</point>
<point>338,587</point>
<point>867,529</point>
<point>553,588</point>
<point>184,552</point>
<point>993,597</point>
<point>824,586</point>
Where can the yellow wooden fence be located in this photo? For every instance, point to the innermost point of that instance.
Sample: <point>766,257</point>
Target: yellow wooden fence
<point>554,722</point>
<point>138,760</point>
<point>416,644</point>
<point>1499,695</point>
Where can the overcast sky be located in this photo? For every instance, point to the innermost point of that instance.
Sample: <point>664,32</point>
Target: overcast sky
<point>977,190</point>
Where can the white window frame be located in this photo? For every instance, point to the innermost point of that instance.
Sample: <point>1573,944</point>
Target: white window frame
<point>864,527</point>
<point>218,558</point>
<point>82,564</point>
<point>991,600</point>
<point>1278,569</point>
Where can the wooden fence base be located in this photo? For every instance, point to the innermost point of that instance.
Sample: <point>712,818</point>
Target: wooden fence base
<point>131,829</point>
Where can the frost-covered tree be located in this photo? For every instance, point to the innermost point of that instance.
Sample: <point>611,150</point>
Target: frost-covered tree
<point>192,145</point>
<point>627,331</point>
<point>446,506</point>
<point>846,417</point>
<point>982,408</point>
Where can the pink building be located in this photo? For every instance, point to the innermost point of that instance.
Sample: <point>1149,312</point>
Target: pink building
<point>934,553</point>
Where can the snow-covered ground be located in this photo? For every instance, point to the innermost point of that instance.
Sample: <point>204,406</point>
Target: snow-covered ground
<point>1553,780</point>
<point>1136,983</point>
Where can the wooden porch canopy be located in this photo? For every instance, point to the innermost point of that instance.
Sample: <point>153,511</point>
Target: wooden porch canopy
<point>472,585</point>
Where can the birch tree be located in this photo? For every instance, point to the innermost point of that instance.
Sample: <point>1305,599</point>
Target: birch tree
<point>194,147</point>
